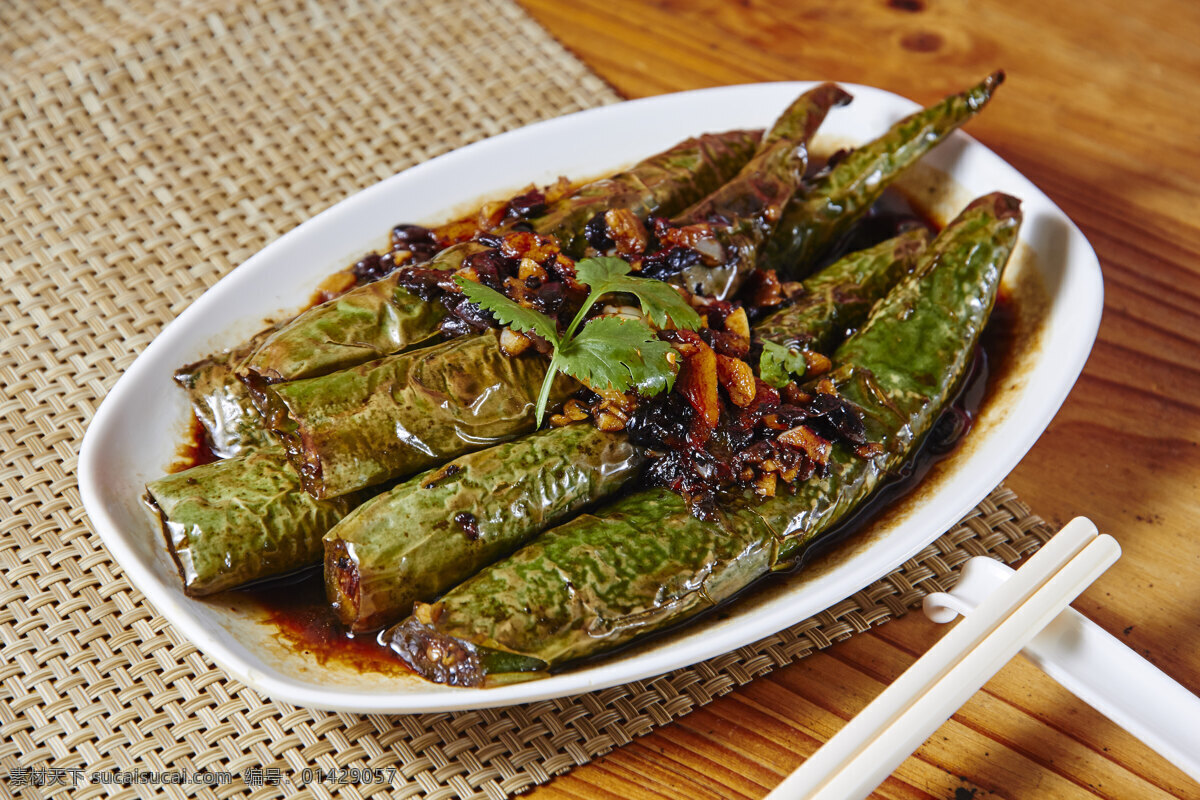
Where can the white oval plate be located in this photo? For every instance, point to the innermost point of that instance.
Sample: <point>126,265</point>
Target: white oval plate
<point>137,429</point>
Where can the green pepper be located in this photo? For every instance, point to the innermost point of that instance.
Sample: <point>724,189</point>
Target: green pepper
<point>903,366</point>
<point>410,545</point>
<point>817,217</point>
<point>439,528</point>
<point>840,296</point>
<point>645,562</point>
<point>396,416</point>
<point>222,402</point>
<point>381,318</point>
<point>750,204</point>
<point>240,520</point>
<point>659,186</point>
<point>366,323</point>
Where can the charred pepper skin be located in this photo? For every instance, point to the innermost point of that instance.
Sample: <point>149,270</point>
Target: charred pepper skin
<point>841,295</point>
<point>436,530</point>
<point>644,562</point>
<point>240,519</point>
<point>402,414</point>
<point>754,200</point>
<point>817,217</point>
<point>382,317</point>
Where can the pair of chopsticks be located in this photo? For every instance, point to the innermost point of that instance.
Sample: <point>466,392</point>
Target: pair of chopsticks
<point>864,752</point>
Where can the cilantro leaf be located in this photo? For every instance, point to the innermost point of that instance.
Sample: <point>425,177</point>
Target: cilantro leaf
<point>778,364</point>
<point>659,300</point>
<point>618,354</point>
<point>509,312</point>
<point>606,353</point>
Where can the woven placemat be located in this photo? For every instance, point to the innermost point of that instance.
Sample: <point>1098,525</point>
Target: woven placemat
<point>148,149</point>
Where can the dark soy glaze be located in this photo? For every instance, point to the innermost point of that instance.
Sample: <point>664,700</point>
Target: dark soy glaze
<point>195,450</point>
<point>305,619</point>
<point>943,439</point>
<point>297,607</point>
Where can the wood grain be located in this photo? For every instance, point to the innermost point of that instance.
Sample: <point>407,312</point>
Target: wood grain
<point>1102,111</point>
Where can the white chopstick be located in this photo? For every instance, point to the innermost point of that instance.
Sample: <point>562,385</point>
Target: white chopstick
<point>864,752</point>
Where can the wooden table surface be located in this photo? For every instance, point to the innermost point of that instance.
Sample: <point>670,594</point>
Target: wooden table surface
<point>1102,111</point>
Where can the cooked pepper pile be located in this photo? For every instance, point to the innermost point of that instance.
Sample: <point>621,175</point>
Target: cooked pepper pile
<point>590,411</point>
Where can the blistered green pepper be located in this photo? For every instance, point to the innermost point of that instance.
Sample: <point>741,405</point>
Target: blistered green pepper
<point>840,296</point>
<point>240,520</point>
<point>742,213</point>
<point>816,218</point>
<point>381,318</point>
<point>222,402</point>
<point>399,415</point>
<point>439,528</point>
<point>366,323</point>
<point>659,186</point>
<point>645,562</point>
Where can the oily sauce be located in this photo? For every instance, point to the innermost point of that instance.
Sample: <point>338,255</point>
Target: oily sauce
<point>297,608</point>
<point>195,450</point>
<point>296,605</point>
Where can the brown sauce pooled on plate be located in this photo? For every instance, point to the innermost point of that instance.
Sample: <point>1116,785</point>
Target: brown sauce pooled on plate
<point>195,450</point>
<point>296,606</point>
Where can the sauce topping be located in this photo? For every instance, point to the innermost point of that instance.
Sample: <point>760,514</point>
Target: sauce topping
<point>297,607</point>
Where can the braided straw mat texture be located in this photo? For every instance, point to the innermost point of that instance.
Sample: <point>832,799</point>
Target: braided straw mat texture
<point>148,149</point>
